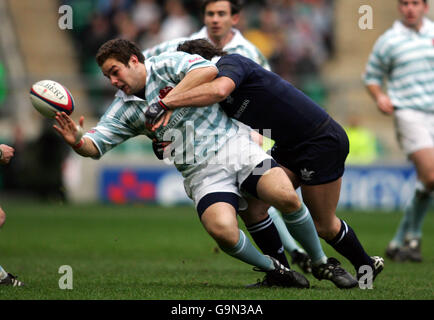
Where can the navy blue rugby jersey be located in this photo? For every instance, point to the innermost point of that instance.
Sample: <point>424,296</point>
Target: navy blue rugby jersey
<point>263,100</point>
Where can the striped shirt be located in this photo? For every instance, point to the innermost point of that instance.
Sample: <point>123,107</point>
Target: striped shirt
<point>238,44</point>
<point>198,132</point>
<point>406,58</point>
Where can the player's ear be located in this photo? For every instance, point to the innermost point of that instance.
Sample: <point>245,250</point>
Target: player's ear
<point>133,59</point>
<point>235,19</point>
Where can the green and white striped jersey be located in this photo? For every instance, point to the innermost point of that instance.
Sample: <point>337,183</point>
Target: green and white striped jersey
<point>238,44</point>
<point>406,58</point>
<point>198,133</point>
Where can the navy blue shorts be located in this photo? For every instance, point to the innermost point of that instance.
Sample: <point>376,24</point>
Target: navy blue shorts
<point>319,159</point>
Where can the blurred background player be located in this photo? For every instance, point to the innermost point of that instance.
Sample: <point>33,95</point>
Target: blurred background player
<point>404,55</point>
<point>6,153</point>
<point>220,18</point>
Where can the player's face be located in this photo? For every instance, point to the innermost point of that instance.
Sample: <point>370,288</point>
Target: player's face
<point>412,12</point>
<point>218,19</point>
<point>130,79</point>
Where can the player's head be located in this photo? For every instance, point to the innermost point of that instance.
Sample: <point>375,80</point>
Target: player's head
<point>122,62</point>
<point>412,12</point>
<point>219,16</point>
<point>201,47</point>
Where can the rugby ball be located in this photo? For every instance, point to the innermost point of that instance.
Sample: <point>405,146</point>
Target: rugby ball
<point>49,97</point>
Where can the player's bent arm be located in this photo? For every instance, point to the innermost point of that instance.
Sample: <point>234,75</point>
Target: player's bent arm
<point>383,101</point>
<point>203,95</point>
<point>374,90</point>
<point>194,78</point>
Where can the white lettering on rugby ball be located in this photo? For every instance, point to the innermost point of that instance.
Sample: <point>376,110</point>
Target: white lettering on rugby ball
<point>49,97</point>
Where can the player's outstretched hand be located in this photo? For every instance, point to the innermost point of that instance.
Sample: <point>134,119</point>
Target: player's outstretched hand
<point>6,153</point>
<point>67,128</point>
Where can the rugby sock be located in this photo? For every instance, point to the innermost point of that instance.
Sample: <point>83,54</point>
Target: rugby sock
<point>414,213</point>
<point>3,273</point>
<point>347,244</point>
<point>288,241</point>
<point>302,228</point>
<point>404,225</point>
<point>418,206</point>
<point>267,239</point>
<point>245,251</point>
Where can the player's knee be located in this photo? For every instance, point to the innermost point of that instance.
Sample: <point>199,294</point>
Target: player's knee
<point>2,217</point>
<point>428,182</point>
<point>224,233</point>
<point>326,230</point>
<point>290,202</point>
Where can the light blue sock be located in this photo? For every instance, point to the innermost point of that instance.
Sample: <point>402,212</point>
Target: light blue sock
<point>302,228</point>
<point>3,273</point>
<point>414,213</point>
<point>245,251</point>
<point>419,208</point>
<point>288,241</point>
<point>404,225</point>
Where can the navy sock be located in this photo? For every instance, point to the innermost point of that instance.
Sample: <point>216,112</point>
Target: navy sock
<point>266,237</point>
<point>347,244</point>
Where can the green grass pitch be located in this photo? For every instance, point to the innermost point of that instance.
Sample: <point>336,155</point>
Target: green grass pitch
<point>141,252</point>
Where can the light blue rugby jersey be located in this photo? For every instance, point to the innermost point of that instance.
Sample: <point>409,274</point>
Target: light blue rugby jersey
<point>406,58</point>
<point>238,44</point>
<point>203,130</point>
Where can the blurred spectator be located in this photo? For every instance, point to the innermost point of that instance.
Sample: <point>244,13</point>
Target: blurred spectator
<point>145,14</point>
<point>364,146</point>
<point>3,84</point>
<point>265,37</point>
<point>178,23</point>
<point>125,27</point>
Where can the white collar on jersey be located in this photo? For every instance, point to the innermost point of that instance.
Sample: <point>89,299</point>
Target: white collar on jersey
<point>125,97</point>
<point>427,27</point>
<point>236,39</point>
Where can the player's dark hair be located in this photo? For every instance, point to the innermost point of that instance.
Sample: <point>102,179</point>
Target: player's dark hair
<point>201,47</point>
<point>119,49</point>
<point>236,5</point>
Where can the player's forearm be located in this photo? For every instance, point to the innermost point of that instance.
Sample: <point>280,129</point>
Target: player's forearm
<point>193,89</point>
<point>86,148</point>
<point>194,79</point>
<point>201,96</point>
<point>374,90</point>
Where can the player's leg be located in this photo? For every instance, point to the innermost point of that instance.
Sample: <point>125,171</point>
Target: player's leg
<point>274,187</point>
<point>5,277</point>
<point>297,253</point>
<point>8,279</point>
<point>271,235</point>
<point>217,212</point>
<point>416,137</point>
<point>263,230</point>
<point>419,203</point>
<point>322,201</point>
